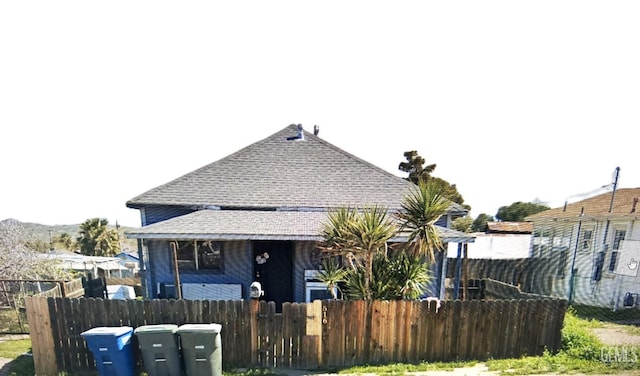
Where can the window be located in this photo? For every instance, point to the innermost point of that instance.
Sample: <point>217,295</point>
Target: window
<point>617,238</point>
<point>562,261</point>
<point>585,241</point>
<point>199,255</point>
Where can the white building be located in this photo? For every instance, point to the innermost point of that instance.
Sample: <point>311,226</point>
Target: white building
<point>503,240</point>
<point>592,247</point>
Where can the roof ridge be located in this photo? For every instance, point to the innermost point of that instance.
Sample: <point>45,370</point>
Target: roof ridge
<point>353,156</point>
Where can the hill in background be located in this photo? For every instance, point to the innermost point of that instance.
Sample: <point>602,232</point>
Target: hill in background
<point>46,233</point>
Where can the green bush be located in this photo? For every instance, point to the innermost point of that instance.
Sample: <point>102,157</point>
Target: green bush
<point>577,341</point>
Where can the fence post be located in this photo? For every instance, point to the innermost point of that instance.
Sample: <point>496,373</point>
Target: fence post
<point>254,308</point>
<point>314,330</point>
<point>40,331</point>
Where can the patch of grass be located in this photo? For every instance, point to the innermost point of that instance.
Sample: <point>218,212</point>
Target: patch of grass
<point>12,321</point>
<point>559,363</point>
<point>605,314</point>
<point>577,341</point>
<point>252,372</point>
<point>21,365</point>
<point>633,330</point>
<point>14,348</point>
<point>401,368</point>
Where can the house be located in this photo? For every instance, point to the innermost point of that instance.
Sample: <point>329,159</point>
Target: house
<point>592,247</point>
<point>98,266</point>
<point>130,261</point>
<point>502,240</point>
<point>255,216</point>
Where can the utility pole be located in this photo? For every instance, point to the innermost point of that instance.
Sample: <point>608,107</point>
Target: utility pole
<point>613,195</point>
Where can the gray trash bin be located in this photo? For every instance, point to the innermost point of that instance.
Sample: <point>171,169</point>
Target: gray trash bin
<point>159,347</point>
<point>201,349</point>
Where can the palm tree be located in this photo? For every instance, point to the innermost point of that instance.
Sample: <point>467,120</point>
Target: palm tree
<point>96,239</point>
<point>422,208</point>
<point>66,240</point>
<point>363,233</point>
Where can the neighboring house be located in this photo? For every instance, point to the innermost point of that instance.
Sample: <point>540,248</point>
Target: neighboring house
<point>130,261</point>
<point>96,265</point>
<point>256,215</point>
<point>502,240</point>
<point>592,247</point>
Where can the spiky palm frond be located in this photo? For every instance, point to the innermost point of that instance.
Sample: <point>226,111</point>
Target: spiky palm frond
<point>336,231</point>
<point>412,275</point>
<point>332,274</point>
<point>421,209</point>
<point>363,233</point>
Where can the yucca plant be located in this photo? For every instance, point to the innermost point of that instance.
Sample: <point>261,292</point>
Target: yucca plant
<point>421,209</point>
<point>361,233</point>
<point>332,274</point>
<point>395,275</point>
<point>412,274</point>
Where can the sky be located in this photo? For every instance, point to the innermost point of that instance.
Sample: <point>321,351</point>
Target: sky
<point>513,100</point>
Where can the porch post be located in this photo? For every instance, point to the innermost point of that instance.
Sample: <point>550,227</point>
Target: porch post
<point>456,287</point>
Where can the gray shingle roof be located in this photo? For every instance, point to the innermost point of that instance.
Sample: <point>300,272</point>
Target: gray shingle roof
<point>280,173</point>
<point>253,225</point>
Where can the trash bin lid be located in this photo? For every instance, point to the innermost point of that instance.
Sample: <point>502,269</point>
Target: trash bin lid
<point>160,328</point>
<point>115,331</point>
<point>200,328</point>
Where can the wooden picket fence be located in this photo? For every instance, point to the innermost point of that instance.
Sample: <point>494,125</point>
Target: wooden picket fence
<point>304,336</point>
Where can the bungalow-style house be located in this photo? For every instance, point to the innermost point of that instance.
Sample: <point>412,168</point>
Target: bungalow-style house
<point>501,240</point>
<point>256,216</point>
<point>592,247</point>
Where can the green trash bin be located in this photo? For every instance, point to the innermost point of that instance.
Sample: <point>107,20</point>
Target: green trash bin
<point>159,347</point>
<point>201,349</point>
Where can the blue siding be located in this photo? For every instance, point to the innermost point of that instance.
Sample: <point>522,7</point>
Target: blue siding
<point>237,264</point>
<point>154,214</point>
<point>442,221</point>
<point>301,262</point>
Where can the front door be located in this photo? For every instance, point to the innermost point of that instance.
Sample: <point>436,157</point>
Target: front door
<point>273,268</point>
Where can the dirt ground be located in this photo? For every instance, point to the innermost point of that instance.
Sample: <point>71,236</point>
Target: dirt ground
<point>616,335</point>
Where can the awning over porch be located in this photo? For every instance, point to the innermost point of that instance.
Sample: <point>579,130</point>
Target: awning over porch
<point>254,225</point>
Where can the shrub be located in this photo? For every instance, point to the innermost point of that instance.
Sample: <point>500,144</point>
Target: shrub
<point>577,341</point>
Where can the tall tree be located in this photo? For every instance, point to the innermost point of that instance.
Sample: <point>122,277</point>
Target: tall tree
<point>422,208</point>
<point>463,224</point>
<point>414,166</point>
<point>518,211</point>
<point>96,239</point>
<point>480,223</point>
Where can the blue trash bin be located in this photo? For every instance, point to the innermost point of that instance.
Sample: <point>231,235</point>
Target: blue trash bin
<point>111,349</point>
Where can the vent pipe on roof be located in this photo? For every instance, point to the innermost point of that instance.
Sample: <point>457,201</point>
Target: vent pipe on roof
<point>299,136</point>
<point>316,130</point>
